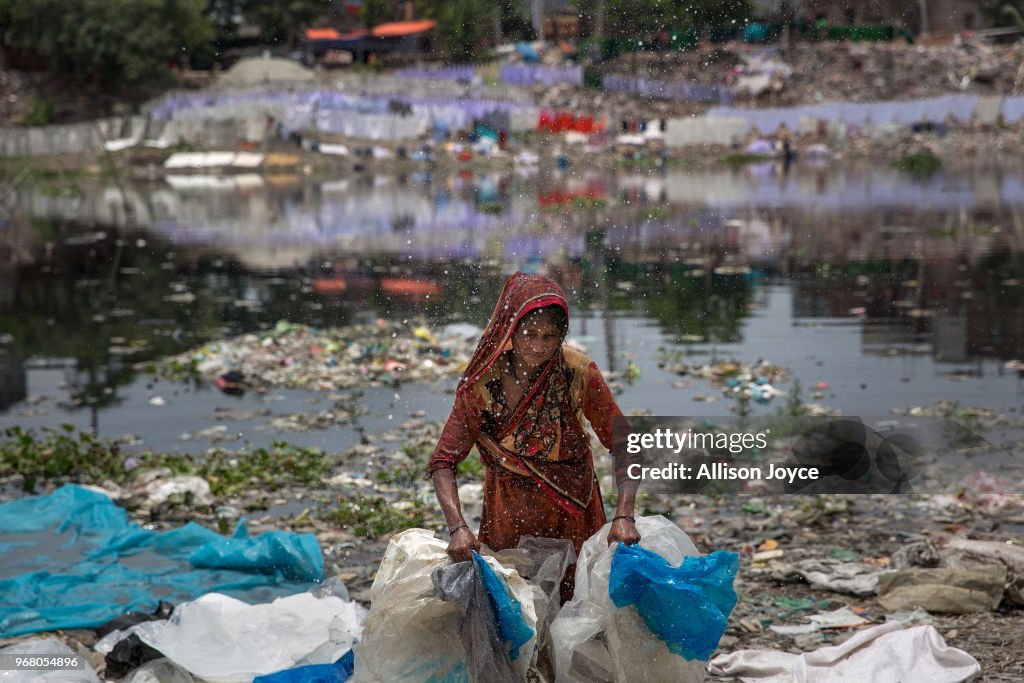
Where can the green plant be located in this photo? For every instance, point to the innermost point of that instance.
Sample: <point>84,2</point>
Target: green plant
<point>471,467</point>
<point>373,517</point>
<point>40,112</point>
<point>919,163</point>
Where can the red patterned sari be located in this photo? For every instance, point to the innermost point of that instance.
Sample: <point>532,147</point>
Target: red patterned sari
<point>539,475</point>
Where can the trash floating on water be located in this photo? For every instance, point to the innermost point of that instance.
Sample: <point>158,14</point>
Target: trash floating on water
<point>292,355</point>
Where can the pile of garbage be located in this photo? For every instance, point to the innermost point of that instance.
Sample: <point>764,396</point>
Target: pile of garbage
<point>298,356</point>
<point>880,71</point>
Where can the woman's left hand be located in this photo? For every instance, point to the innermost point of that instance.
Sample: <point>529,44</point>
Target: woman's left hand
<point>624,531</point>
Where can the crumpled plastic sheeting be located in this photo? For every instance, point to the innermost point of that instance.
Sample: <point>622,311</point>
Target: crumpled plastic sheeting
<point>826,574</point>
<point>338,672</point>
<point>412,635</point>
<point>223,640</point>
<point>160,670</point>
<point>593,640</point>
<point>882,653</point>
<point>542,562</point>
<point>45,646</point>
<point>490,626</point>
<point>687,606</point>
<point>73,560</point>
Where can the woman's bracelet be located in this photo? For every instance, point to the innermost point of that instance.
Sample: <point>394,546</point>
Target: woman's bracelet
<point>629,517</point>
<point>461,526</point>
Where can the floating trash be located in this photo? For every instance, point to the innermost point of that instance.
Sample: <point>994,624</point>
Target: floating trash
<point>299,356</point>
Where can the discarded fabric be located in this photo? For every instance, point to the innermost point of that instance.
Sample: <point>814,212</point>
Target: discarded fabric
<point>882,653</point>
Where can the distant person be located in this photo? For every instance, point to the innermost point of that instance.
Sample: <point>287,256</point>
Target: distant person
<point>519,402</point>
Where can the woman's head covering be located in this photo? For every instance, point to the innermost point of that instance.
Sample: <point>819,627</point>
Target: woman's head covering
<point>522,293</point>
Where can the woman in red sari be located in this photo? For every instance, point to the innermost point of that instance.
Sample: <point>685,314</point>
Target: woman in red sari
<point>522,401</point>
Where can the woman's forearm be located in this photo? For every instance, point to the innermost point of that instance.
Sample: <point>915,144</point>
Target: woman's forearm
<point>627,496</point>
<point>448,497</point>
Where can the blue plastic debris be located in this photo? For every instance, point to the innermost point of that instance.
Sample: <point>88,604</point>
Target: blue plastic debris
<point>509,613</point>
<point>72,559</point>
<point>338,672</point>
<point>686,606</point>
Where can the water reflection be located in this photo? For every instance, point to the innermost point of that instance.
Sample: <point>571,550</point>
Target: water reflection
<point>96,283</point>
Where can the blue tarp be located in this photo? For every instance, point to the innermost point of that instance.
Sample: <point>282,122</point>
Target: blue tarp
<point>73,560</point>
<point>685,606</point>
<point>339,672</point>
<point>527,52</point>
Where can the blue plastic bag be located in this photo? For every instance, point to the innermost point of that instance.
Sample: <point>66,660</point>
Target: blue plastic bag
<point>339,672</point>
<point>507,610</point>
<point>687,606</point>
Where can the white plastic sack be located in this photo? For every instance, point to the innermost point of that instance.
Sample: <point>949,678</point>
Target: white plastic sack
<point>887,652</point>
<point>224,640</point>
<point>411,636</point>
<point>46,646</point>
<point>593,640</point>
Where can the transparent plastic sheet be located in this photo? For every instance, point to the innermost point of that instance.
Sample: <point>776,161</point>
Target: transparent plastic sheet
<point>159,671</point>
<point>488,655</point>
<point>223,640</point>
<point>408,634</point>
<point>412,635</point>
<point>50,647</point>
<point>592,640</point>
<point>542,562</point>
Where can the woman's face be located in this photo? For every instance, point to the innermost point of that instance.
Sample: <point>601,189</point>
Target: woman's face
<point>535,341</point>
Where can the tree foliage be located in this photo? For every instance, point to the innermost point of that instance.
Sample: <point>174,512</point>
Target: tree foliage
<point>628,18</point>
<point>112,43</point>
<point>375,12</point>
<point>464,25</point>
<point>281,21</point>
<point>1004,13</point>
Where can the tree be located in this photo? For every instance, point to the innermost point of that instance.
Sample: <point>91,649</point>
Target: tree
<point>464,25</point>
<point>281,21</point>
<point>630,18</point>
<point>110,43</point>
<point>1004,13</point>
<point>375,12</point>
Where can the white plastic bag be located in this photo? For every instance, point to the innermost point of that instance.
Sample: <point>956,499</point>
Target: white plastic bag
<point>593,640</point>
<point>224,640</point>
<point>159,671</point>
<point>412,636</point>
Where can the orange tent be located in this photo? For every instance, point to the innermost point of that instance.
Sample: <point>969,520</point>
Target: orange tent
<point>322,34</point>
<point>396,29</point>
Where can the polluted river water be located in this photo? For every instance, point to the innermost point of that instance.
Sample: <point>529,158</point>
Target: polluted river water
<point>877,290</point>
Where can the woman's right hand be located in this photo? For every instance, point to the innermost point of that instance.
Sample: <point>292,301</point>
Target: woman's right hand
<point>462,545</point>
